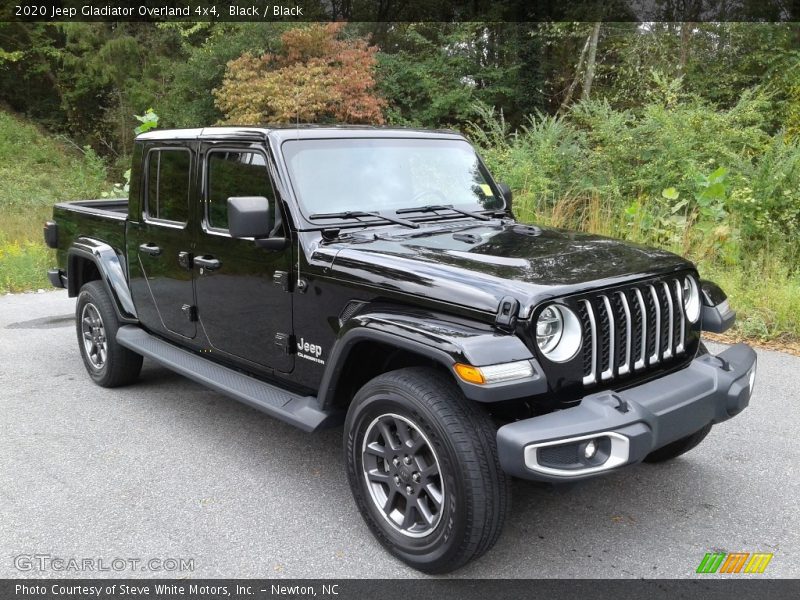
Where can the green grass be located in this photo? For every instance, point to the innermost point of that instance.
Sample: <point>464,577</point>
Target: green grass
<point>36,170</point>
<point>766,297</point>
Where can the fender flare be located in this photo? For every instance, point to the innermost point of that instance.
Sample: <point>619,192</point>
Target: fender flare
<point>717,314</point>
<point>112,274</point>
<point>441,341</point>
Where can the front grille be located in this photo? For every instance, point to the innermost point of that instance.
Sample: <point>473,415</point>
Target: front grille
<point>629,330</point>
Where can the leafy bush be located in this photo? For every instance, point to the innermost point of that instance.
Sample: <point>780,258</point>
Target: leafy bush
<point>317,77</point>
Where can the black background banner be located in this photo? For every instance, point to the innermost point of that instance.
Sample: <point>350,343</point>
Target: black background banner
<point>401,10</point>
<point>382,589</point>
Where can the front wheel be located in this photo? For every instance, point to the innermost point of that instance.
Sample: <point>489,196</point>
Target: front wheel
<point>423,468</point>
<point>108,363</point>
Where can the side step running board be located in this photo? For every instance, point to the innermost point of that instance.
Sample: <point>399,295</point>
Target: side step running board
<point>300,411</point>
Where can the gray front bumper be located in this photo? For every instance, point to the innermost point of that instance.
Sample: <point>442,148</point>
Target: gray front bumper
<point>627,425</point>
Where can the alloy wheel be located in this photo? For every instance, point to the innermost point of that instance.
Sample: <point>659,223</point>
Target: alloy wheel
<point>94,336</point>
<point>403,475</point>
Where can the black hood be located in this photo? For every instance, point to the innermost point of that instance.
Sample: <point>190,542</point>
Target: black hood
<point>477,265</point>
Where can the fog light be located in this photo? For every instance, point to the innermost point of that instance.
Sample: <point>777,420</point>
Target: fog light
<point>590,450</point>
<point>578,456</point>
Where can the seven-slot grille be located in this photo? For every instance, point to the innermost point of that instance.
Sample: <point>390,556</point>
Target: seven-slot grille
<point>628,330</point>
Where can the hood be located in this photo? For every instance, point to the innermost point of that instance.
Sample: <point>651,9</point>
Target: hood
<point>477,265</point>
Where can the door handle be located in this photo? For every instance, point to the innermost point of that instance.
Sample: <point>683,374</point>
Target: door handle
<point>150,249</point>
<point>207,262</point>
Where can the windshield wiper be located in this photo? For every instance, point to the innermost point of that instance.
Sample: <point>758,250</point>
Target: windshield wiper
<point>435,207</point>
<point>355,214</point>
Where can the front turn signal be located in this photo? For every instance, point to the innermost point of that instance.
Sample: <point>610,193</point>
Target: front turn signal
<point>469,373</point>
<point>521,369</point>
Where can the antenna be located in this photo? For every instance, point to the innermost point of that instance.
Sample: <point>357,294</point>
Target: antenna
<point>297,137</point>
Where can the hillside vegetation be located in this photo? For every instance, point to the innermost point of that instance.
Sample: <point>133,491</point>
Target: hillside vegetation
<point>713,185</point>
<point>680,135</point>
<point>36,170</point>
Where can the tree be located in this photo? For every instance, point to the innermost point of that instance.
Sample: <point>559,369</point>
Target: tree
<point>317,77</point>
<point>588,78</point>
<point>208,47</point>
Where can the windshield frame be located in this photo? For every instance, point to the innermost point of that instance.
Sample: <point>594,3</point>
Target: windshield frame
<point>361,222</point>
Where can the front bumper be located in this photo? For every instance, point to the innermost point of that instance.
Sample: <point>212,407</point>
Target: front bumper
<point>625,426</point>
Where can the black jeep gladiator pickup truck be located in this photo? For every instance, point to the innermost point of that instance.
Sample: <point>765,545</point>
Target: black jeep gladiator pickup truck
<point>377,278</point>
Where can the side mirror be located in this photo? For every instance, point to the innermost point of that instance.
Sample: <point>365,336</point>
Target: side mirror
<point>249,216</point>
<point>507,195</point>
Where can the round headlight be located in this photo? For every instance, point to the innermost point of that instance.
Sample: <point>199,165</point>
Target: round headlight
<point>558,333</point>
<point>691,299</point>
<point>549,329</point>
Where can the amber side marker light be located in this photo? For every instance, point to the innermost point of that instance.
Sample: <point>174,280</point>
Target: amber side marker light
<point>469,373</point>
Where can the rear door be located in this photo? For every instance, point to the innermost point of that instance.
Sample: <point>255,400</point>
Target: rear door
<point>161,242</point>
<point>243,304</point>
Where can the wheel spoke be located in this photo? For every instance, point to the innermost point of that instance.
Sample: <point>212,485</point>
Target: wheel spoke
<point>434,493</point>
<point>378,476</point>
<point>424,511</point>
<point>408,516</point>
<point>428,471</point>
<point>376,449</point>
<point>87,335</point>
<point>388,506</point>
<point>403,432</point>
<point>417,444</point>
<point>387,436</point>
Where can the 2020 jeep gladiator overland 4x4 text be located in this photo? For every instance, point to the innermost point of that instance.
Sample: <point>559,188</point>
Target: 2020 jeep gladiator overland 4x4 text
<point>377,278</point>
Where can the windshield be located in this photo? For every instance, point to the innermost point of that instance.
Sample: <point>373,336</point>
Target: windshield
<point>388,174</point>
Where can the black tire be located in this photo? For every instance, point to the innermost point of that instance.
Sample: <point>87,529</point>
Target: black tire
<point>678,447</point>
<point>108,363</point>
<point>474,491</point>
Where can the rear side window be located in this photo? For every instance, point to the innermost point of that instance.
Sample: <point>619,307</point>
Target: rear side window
<point>235,173</point>
<point>168,177</point>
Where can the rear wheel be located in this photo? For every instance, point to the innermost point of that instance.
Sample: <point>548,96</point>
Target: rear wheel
<point>678,447</point>
<point>108,363</point>
<point>423,467</point>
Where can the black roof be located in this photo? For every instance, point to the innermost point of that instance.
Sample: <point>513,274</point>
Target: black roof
<point>286,132</point>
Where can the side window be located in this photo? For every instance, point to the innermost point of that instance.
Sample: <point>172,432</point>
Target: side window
<point>232,173</point>
<point>168,177</point>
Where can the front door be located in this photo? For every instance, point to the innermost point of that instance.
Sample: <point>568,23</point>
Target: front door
<point>243,304</point>
<point>160,244</point>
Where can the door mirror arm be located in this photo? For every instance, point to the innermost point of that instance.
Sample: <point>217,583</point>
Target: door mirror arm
<point>272,243</point>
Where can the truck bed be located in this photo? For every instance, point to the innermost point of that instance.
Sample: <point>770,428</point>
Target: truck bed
<point>115,208</point>
<point>103,220</point>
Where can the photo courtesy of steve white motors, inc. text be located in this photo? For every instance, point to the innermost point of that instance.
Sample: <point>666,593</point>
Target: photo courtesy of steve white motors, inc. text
<point>157,12</point>
<point>171,589</point>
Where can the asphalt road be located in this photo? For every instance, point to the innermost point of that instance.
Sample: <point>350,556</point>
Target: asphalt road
<point>167,469</point>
